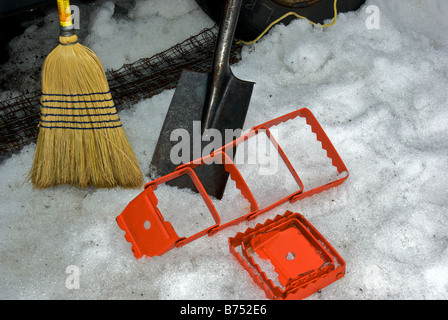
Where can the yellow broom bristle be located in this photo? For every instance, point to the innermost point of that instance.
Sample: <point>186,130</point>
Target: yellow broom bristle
<point>81,140</point>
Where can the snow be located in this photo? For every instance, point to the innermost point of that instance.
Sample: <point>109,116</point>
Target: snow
<point>381,96</point>
<point>150,27</point>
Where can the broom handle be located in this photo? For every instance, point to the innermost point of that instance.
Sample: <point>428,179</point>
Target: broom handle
<point>65,18</point>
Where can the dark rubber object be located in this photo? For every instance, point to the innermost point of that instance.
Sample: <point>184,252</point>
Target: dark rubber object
<point>257,15</point>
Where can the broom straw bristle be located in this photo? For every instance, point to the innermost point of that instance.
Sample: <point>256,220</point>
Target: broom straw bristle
<point>81,140</point>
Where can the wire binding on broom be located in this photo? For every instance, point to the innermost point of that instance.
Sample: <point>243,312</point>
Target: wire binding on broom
<point>79,142</point>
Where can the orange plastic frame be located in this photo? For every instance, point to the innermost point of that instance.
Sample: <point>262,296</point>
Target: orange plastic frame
<point>151,235</point>
<point>303,259</point>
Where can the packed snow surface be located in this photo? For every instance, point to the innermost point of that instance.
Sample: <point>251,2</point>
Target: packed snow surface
<point>379,93</point>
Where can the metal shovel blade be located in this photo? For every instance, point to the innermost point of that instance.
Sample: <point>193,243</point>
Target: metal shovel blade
<point>201,101</point>
<point>182,127</point>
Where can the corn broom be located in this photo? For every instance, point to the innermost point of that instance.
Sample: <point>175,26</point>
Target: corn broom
<point>81,140</point>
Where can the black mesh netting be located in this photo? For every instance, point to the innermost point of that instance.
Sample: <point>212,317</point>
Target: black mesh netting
<point>19,116</point>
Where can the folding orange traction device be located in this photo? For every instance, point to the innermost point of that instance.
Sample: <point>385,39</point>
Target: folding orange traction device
<point>312,262</point>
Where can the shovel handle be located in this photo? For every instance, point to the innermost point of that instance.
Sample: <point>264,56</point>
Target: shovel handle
<point>221,67</point>
<point>226,33</point>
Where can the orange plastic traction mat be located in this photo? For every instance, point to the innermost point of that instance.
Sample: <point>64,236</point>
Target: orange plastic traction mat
<point>304,260</point>
<point>148,232</point>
